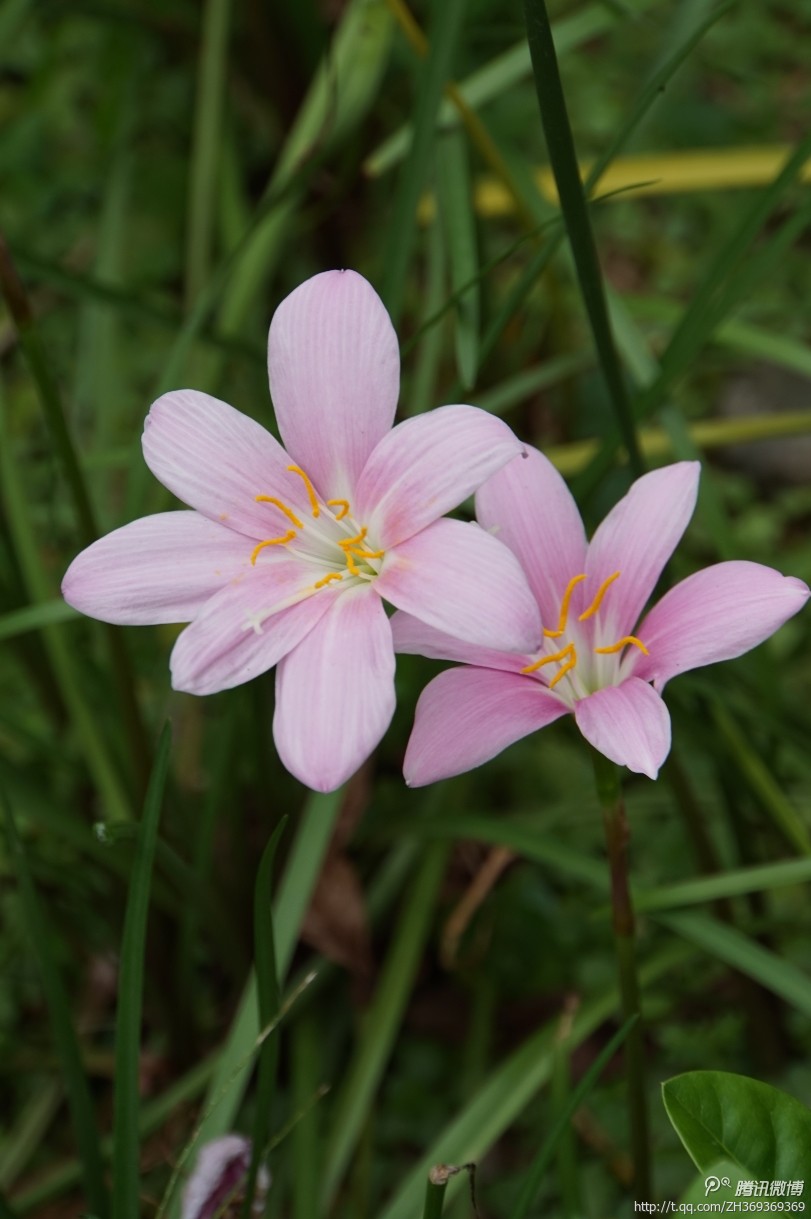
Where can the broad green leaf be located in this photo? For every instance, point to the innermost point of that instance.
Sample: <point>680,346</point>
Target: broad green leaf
<point>762,1131</point>
<point>717,1184</point>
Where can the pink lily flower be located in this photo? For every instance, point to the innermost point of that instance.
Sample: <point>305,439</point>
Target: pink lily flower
<point>595,662</point>
<point>288,553</point>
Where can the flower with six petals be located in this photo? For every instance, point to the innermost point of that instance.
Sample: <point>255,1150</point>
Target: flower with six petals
<point>288,553</point>
<point>595,661</point>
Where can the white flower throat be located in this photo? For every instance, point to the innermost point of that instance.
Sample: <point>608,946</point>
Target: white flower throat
<point>592,675</point>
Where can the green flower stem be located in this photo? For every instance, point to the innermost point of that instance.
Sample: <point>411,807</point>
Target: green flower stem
<point>617,835</point>
<point>435,1192</point>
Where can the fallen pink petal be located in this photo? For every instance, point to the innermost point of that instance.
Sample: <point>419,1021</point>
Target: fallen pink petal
<point>598,660</point>
<point>287,551</point>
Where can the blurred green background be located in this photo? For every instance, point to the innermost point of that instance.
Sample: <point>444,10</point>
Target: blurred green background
<point>168,173</point>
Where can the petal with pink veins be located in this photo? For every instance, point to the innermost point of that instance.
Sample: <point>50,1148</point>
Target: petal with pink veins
<point>628,723</point>
<point>335,692</point>
<point>426,466</point>
<point>218,460</point>
<point>459,579</point>
<point>415,638</point>
<point>466,716</point>
<point>716,614</point>
<point>248,627</point>
<point>160,568</point>
<point>528,506</point>
<point>636,539</point>
<point>334,369</point>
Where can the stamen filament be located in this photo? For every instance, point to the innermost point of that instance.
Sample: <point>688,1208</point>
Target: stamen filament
<point>344,503</point>
<point>333,575</point>
<point>564,607</point>
<point>288,537</point>
<point>547,660</point>
<point>601,591</point>
<point>310,489</point>
<point>617,647</point>
<point>271,499</point>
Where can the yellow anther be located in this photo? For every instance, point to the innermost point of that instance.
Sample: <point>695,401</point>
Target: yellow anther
<point>564,607</point>
<point>350,543</point>
<point>288,537</point>
<point>354,570</point>
<point>623,643</point>
<point>547,660</point>
<point>566,669</point>
<point>344,504</point>
<point>333,575</point>
<point>361,552</point>
<point>288,512</point>
<point>601,591</point>
<point>310,489</point>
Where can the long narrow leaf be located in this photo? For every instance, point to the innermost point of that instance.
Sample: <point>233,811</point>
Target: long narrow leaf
<point>126,1146</point>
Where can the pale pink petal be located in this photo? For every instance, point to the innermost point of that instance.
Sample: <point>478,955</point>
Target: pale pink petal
<point>636,539</point>
<point>716,614</point>
<point>334,369</point>
<point>220,1172</point>
<point>458,578</point>
<point>629,723</point>
<point>218,460</point>
<point>248,627</point>
<point>528,506</point>
<point>416,638</point>
<point>426,466</point>
<point>161,568</point>
<point>335,692</point>
<point>466,716</point>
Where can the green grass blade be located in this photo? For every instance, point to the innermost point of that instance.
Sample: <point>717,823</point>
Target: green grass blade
<point>353,1101</point>
<point>206,144</point>
<point>64,1033</point>
<point>268,1003</point>
<point>578,1096</point>
<point>34,617</point>
<point>725,943</point>
<point>702,889</point>
<point>305,1137</point>
<point>126,1138</point>
<point>431,78</point>
<point>563,158</point>
<point>31,1124</point>
<point>512,1085</point>
<point>456,206</point>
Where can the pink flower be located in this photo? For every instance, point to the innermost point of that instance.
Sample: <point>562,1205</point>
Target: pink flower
<point>289,552</point>
<point>216,1187</point>
<point>595,662</point>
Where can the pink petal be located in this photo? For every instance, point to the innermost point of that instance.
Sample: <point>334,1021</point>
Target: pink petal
<point>161,568</point>
<point>426,466</point>
<point>458,578</point>
<point>528,506</point>
<point>629,723</point>
<point>219,1174</point>
<point>416,638</point>
<point>334,369</point>
<point>335,692</point>
<point>247,628</point>
<point>217,460</point>
<point>716,614</point>
<point>466,716</point>
<point>636,539</point>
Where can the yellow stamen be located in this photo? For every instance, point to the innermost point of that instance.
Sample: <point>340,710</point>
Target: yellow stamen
<point>333,575</point>
<point>350,543</point>
<point>601,591</point>
<point>288,537</point>
<point>344,503</point>
<point>564,608</point>
<point>547,660</point>
<point>271,499</point>
<point>566,669</point>
<point>360,552</point>
<point>354,570</point>
<point>310,488</point>
<point>617,647</point>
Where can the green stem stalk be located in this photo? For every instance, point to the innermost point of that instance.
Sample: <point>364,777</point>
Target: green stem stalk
<point>617,836</point>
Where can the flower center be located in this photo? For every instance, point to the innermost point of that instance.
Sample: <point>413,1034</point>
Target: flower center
<point>330,538</point>
<point>566,656</point>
